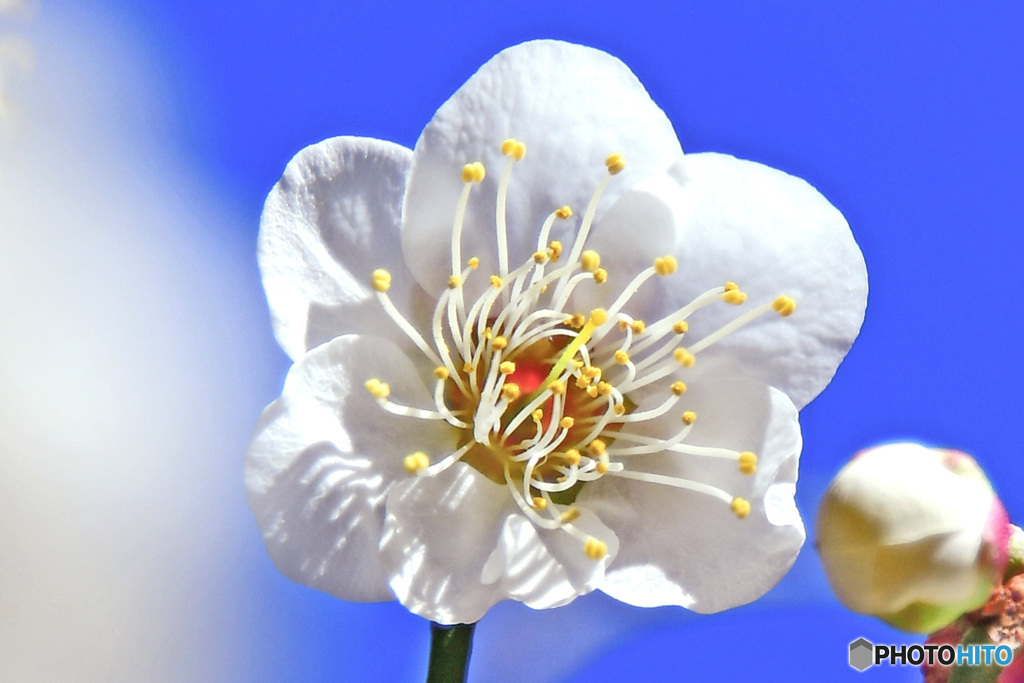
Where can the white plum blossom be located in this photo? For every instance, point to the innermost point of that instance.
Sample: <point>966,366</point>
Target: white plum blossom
<point>912,535</point>
<point>543,353</point>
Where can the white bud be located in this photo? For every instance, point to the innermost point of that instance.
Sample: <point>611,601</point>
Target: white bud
<point>912,535</point>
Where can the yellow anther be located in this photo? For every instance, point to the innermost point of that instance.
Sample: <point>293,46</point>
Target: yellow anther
<point>734,296</point>
<point>510,391</point>
<point>601,467</point>
<point>454,281</point>
<point>678,388</point>
<point>513,148</point>
<point>473,173</point>
<point>474,262</point>
<point>681,327</point>
<point>377,388</point>
<point>731,286</point>
<point>539,503</point>
<point>600,276</point>
<point>596,447</point>
<point>381,280</point>
<point>590,260</point>
<point>598,316</point>
<point>572,457</point>
<point>507,367</point>
<point>592,392</point>
<point>619,409</point>
<point>540,257</point>
<point>468,367</point>
<point>685,358</point>
<point>488,333</point>
<point>555,250</point>
<point>496,282</point>
<point>689,417</point>
<point>441,372</point>
<point>740,506</point>
<point>557,387</point>
<point>566,422</point>
<point>604,389</point>
<point>576,321</point>
<point>578,364</point>
<point>500,343</point>
<point>621,357</point>
<point>665,265</point>
<point>615,163</point>
<point>638,326</point>
<point>748,462</point>
<point>563,213</point>
<point>582,382</point>
<point>415,462</point>
<point>595,549</point>
<point>569,516</point>
<point>537,415</point>
<point>784,305</point>
<point>592,371</point>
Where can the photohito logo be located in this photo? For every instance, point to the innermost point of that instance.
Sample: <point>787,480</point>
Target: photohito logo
<point>864,654</point>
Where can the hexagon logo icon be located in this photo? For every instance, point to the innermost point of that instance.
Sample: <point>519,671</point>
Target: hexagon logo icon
<point>861,654</point>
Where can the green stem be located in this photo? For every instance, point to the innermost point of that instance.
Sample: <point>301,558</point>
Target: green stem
<point>450,647</point>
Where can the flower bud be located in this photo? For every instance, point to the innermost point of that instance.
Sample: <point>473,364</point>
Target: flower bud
<point>912,535</point>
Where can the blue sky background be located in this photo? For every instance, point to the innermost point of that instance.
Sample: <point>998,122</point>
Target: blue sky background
<point>905,115</point>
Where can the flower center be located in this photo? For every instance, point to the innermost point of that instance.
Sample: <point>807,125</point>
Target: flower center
<point>540,393</point>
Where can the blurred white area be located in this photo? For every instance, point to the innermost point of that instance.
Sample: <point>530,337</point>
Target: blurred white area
<point>131,328</point>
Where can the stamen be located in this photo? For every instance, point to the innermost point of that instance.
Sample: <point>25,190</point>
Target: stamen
<point>740,506</point>
<point>555,249</point>
<point>416,462</point>
<point>595,549</point>
<point>399,319</point>
<point>590,261</point>
<point>677,482</point>
<point>515,150</point>
<point>442,407</point>
<point>733,295</point>
<point>447,462</point>
<point>379,390</point>
<point>471,173</point>
<point>783,305</point>
<point>665,265</point>
<point>615,163</point>
<point>381,280</point>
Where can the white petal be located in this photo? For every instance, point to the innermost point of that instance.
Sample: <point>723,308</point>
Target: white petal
<point>460,545</point>
<point>322,458</point>
<point>330,221</point>
<point>439,532</point>
<point>547,568</point>
<point>689,549</point>
<point>734,220</point>
<point>572,106</point>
